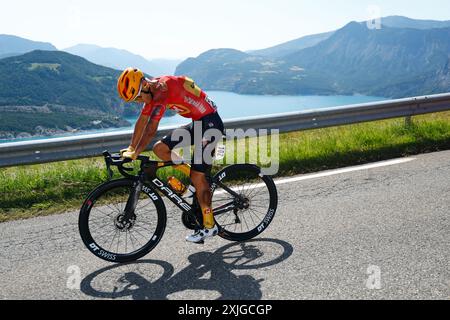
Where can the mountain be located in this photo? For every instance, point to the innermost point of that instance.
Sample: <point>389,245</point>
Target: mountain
<point>404,22</point>
<point>41,77</point>
<point>122,59</point>
<point>293,46</point>
<point>389,62</point>
<point>221,69</point>
<point>286,48</point>
<point>289,47</point>
<point>12,45</point>
<point>240,72</point>
<point>54,87</point>
<point>111,57</point>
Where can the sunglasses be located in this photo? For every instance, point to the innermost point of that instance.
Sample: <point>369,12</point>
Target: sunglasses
<point>138,97</point>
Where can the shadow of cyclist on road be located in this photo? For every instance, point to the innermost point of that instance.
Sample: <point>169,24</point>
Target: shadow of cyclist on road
<point>155,280</point>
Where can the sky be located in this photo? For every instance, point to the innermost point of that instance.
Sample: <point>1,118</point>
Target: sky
<point>180,29</point>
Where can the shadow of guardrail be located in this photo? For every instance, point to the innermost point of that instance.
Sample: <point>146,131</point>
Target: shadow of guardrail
<point>209,274</point>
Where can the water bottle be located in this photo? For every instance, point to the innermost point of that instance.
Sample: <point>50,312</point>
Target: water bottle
<point>176,185</point>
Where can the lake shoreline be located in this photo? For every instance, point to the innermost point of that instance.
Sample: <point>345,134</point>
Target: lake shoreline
<point>230,106</point>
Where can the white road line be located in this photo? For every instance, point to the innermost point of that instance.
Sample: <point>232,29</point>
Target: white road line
<point>344,170</point>
<point>329,173</point>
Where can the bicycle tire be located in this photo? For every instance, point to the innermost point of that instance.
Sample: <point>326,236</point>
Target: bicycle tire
<point>264,183</point>
<point>107,254</point>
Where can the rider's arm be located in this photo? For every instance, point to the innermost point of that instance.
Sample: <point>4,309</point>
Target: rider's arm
<point>139,129</point>
<point>149,133</point>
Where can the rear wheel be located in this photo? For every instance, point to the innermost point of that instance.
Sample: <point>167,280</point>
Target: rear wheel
<point>106,232</point>
<point>251,208</point>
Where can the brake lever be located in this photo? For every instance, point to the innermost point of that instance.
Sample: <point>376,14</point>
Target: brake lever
<point>110,172</point>
<point>107,156</point>
<point>116,160</point>
<point>119,161</point>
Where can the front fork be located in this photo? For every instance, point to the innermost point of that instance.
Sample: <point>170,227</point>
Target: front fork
<point>134,198</point>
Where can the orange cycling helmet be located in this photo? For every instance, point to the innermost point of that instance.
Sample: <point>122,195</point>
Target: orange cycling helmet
<point>129,84</point>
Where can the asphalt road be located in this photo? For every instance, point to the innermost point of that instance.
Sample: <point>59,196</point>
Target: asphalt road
<point>380,233</point>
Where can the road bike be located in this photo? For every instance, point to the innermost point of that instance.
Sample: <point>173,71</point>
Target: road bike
<point>123,220</point>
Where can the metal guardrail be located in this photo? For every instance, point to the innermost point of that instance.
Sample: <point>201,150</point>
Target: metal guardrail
<point>57,149</point>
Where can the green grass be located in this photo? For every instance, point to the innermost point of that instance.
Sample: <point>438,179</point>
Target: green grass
<point>310,151</point>
<point>37,190</point>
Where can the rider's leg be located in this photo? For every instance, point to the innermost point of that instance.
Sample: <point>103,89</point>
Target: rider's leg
<point>210,229</point>
<point>202,165</point>
<point>164,152</point>
<point>204,197</point>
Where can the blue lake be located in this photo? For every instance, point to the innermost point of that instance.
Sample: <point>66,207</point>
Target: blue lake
<point>231,106</point>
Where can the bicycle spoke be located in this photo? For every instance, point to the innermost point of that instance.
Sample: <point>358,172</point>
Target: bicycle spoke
<point>132,242</point>
<point>145,204</point>
<point>112,209</point>
<point>144,222</point>
<point>251,217</point>
<point>250,187</point>
<point>126,240</point>
<point>144,229</point>
<point>252,192</point>
<point>140,243</point>
<point>117,207</point>
<point>102,221</point>
<point>140,234</point>
<point>102,212</point>
<point>107,232</point>
<point>118,242</point>
<point>245,220</point>
<point>101,227</point>
<point>107,214</point>
<point>112,241</point>
<point>257,214</point>
<point>258,211</point>
<point>226,219</point>
<point>252,214</point>
<point>257,197</point>
<point>257,206</point>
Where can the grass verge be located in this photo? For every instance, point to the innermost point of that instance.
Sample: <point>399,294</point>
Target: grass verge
<point>37,190</point>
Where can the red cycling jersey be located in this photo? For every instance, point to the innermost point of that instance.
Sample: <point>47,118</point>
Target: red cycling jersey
<point>182,96</point>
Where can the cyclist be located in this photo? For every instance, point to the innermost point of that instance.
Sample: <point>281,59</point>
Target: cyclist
<point>182,95</point>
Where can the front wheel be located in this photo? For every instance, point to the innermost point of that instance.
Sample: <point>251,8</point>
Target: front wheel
<point>109,235</point>
<point>244,201</point>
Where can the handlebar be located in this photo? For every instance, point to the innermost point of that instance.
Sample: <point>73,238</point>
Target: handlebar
<point>117,161</point>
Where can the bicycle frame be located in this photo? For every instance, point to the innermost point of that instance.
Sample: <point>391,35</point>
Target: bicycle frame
<point>183,205</point>
<point>178,200</point>
<point>147,174</point>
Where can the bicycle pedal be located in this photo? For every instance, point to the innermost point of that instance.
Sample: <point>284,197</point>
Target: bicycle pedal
<point>200,242</point>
